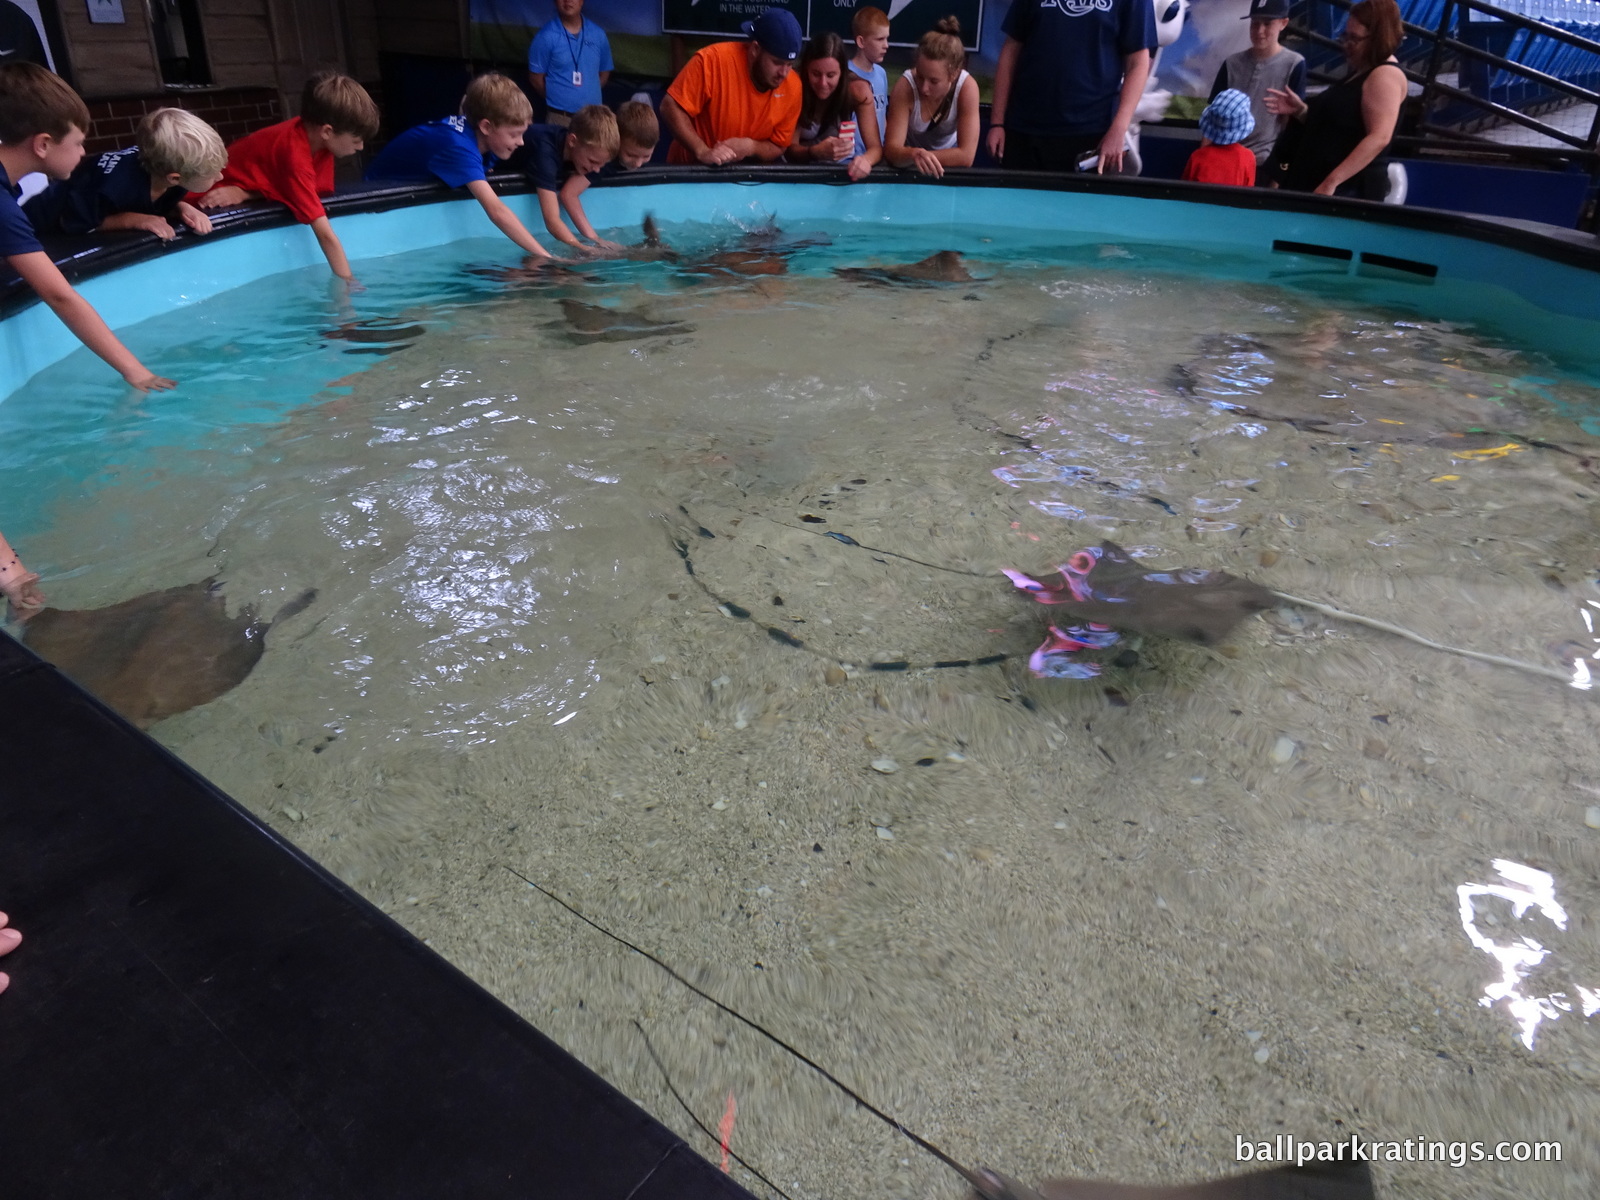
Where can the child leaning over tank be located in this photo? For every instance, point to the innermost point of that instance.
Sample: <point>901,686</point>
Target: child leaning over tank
<point>142,187</point>
<point>292,162</point>
<point>836,111</point>
<point>459,151</point>
<point>42,124</point>
<point>638,131</point>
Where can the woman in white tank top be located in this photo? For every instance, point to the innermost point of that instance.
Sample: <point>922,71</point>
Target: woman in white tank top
<point>933,110</point>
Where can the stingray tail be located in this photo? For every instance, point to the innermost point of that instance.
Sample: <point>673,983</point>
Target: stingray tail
<point>296,606</point>
<point>652,231</point>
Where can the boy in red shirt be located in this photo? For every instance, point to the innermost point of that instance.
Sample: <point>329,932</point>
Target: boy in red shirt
<point>1222,156</point>
<point>292,162</point>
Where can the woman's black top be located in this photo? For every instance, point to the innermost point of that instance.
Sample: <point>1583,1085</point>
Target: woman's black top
<point>1309,150</point>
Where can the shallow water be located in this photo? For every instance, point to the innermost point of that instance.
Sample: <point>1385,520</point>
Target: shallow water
<point>1097,927</point>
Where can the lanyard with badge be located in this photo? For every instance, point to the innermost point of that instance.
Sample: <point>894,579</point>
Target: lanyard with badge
<point>583,34</point>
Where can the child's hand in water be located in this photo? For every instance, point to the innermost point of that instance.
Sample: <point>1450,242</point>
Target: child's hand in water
<point>609,247</point>
<point>24,594</point>
<point>146,381</point>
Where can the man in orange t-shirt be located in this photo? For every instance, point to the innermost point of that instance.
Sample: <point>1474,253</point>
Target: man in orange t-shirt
<point>737,100</point>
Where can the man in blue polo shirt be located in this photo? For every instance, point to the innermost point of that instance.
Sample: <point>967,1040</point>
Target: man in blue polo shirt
<point>1069,77</point>
<point>569,62</point>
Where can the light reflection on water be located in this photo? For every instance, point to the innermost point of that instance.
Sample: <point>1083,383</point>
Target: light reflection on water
<point>1525,888</point>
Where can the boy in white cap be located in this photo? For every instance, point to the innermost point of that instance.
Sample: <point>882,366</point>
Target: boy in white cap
<point>1265,65</point>
<point>1223,156</point>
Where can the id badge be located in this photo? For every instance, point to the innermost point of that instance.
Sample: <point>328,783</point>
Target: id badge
<point>577,79</point>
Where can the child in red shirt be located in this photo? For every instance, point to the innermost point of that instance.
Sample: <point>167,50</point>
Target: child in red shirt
<point>1222,156</point>
<point>292,162</point>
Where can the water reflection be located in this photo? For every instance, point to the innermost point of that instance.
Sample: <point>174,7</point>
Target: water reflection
<point>1526,888</point>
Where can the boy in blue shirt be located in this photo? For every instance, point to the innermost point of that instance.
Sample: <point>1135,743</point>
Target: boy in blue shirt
<point>42,123</point>
<point>460,150</point>
<point>569,62</point>
<point>141,187</point>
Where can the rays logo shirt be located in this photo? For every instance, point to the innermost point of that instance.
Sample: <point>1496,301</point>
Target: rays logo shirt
<point>445,150</point>
<point>1069,71</point>
<point>100,187</point>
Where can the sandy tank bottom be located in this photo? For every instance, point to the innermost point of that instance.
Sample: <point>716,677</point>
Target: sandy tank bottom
<point>1096,928</point>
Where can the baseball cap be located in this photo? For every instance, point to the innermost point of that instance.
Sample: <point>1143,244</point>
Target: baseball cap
<point>1228,119</point>
<point>1267,10</point>
<point>777,32</point>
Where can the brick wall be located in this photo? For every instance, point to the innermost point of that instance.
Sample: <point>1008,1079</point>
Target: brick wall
<point>233,112</point>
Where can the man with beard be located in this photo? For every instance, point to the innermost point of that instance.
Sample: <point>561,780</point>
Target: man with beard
<point>737,100</point>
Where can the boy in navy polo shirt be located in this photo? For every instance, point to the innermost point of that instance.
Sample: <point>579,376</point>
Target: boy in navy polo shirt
<point>579,151</point>
<point>569,62</point>
<point>42,123</point>
<point>638,131</point>
<point>460,150</point>
<point>141,187</point>
<point>1069,76</point>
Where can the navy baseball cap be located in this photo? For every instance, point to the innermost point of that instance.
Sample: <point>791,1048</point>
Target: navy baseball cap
<point>777,32</point>
<point>1267,10</point>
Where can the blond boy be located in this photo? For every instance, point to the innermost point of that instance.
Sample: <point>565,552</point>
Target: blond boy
<point>139,188</point>
<point>42,124</point>
<point>459,151</point>
<point>638,131</point>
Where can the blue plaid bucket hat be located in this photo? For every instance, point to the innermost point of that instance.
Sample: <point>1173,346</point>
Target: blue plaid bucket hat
<point>1227,119</point>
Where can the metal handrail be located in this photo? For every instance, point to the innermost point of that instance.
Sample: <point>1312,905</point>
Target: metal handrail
<point>1430,83</point>
<point>1441,39</point>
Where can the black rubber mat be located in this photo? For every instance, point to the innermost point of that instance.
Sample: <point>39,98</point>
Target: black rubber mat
<point>197,1010</point>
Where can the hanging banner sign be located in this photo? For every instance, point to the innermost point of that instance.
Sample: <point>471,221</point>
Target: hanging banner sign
<point>908,19</point>
<point>723,18</point>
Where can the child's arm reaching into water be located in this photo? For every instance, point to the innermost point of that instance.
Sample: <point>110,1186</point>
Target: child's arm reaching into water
<point>18,584</point>
<point>78,315</point>
<point>332,249</point>
<point>504,219</point>
<point>571,191</point>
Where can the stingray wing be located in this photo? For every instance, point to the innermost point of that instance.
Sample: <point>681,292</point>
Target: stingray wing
<point>155,655</point>
<point>1191,604</point>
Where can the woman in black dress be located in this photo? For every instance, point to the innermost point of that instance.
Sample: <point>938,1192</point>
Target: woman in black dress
<point>1333,141</point>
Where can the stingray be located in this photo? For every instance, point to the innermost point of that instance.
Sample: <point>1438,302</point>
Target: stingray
<point>586,323</point>
<point>157,654</point>
<point>740,262</point>
<point>545,277</point>
<point>377,336</point>
<point>944,267</point>
<point>1106,588</point>
<point>1320,1181</point>
<point>769,236</point>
